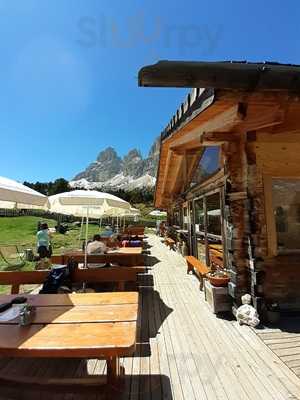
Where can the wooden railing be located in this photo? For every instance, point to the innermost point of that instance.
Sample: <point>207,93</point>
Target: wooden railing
<point>119,275</point>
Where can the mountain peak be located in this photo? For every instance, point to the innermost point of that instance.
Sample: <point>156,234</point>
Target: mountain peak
<point>111,171</point>
<point>133,153</point>
<point>107,155</point>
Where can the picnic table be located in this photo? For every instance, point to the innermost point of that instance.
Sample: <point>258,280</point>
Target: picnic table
<point>94,325</point>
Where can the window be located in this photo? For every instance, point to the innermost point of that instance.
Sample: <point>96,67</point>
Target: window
<point>213,214</point>
<point>185,219</point>
<point>209,164</point>
<point>176,217</point>
<point>286,209</point>
<point>200,230</point>
<point>208,229</point>
<point>199,215</point>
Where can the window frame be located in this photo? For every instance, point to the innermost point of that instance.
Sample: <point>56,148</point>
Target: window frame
<point>220,162</point>
<point>204,233</point>
<point>272,239</point>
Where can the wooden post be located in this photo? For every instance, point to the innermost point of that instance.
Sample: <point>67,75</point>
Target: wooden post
<point>237,169</point>
<point>114,370</point>
<point>15,289</point>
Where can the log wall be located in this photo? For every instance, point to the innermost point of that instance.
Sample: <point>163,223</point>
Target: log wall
<point>276,156</point>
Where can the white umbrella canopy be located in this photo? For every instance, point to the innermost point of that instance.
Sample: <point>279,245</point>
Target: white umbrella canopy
<point>82,202</point>
<point>16,195</point>
<point>157,213</point>
<point>86,204</point>
<point>121,212</point>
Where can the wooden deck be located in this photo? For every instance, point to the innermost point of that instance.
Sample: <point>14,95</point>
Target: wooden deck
<point>183,352</point>
<point>284,341</point>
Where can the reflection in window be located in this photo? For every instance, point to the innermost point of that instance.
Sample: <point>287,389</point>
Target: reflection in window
<point>213,214</point>
<point>185,219</point>
<point>214,231</point>
<point>176,217</point>
<point>286,207</point>
<point>199,215</point>
<point>209,163</point>
<point>199,230</point>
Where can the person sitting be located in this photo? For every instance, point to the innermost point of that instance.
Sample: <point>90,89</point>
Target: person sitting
<point>96,246</point>
<point>43,242</point>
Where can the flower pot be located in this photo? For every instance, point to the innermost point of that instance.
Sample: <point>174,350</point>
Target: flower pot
<point>219,281</point>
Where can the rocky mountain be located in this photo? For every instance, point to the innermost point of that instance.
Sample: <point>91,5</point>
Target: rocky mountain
<point>111,171</point>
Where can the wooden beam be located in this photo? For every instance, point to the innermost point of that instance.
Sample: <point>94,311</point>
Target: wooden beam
<point>177,169</point>
<point>264,116</point>
<point>189,152</point>
<point>166,171</point>
<point>218,138</point>
<point>224,122</point>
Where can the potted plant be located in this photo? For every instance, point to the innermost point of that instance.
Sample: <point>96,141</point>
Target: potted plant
<point>273,312</point>
<point>218,278</point>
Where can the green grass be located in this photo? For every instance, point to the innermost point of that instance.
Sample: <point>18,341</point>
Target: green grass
<point>21,231</point>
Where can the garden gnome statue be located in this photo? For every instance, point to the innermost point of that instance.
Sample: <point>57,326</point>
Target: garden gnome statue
<point>246,314</point>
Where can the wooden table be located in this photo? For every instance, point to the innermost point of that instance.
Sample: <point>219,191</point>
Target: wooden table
<point>94,325</point>
<point>127,256</point>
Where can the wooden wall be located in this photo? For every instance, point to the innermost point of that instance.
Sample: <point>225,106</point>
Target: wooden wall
<point>273,156</point>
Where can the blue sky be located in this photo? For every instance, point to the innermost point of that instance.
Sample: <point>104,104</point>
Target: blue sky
<point>69,71</point>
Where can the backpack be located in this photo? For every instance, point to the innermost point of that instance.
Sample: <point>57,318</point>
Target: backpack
<point>59,276</point>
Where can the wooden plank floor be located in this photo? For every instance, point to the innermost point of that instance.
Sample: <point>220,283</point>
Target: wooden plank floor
<point>184,352</point>
<point>284,341</point>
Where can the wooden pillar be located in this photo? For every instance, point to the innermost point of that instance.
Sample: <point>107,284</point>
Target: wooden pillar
<point>237,216</point>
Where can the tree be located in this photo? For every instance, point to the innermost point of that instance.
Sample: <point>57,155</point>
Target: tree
<point>50,188</point>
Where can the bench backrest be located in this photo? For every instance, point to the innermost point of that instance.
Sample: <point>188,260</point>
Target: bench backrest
<point>120,275</point>
<point>121,259</point>
<point>135,230</point>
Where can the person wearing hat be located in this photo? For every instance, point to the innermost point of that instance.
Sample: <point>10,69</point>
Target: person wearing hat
<point>43,242</point>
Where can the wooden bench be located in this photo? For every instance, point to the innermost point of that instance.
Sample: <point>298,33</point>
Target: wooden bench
<point>170,243</point>
<point>120,275</point>
<point>201,269</point>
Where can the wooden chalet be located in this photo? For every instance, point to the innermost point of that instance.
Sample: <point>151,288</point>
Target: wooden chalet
<point>229,171</point>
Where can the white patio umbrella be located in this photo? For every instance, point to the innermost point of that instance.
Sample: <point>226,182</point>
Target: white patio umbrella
<point>76,202</point>
<point>16,195</point>
<point>86,204</point>
<point>121,213</point>
<point>157,213</point>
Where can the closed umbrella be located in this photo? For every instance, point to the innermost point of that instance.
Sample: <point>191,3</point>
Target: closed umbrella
<point>16,195</point>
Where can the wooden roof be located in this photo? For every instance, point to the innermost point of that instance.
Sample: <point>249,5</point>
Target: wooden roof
<point>237,75</point>
<point>246,97</point>
<point>227,115</point>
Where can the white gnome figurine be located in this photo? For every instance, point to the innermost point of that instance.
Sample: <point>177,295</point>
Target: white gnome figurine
<point>246,314</point>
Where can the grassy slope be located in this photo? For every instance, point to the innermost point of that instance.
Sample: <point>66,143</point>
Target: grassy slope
<point>22,231</point>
